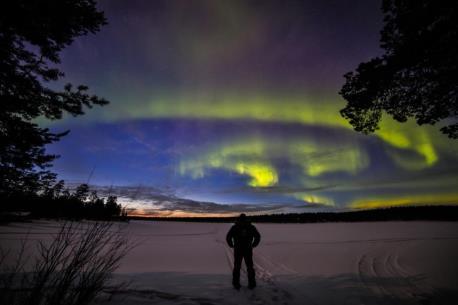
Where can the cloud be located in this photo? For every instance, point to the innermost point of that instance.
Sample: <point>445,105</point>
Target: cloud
<point>150,201</point>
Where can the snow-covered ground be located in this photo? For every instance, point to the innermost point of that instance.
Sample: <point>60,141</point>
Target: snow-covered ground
<point>329,263</point>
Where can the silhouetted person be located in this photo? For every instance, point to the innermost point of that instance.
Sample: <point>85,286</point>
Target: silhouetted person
<point>243,237</point>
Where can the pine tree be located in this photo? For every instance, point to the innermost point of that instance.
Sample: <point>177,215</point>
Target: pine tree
<point>32,35</point>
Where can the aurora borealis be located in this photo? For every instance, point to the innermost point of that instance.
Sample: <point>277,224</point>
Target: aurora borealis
<point>236,102</point>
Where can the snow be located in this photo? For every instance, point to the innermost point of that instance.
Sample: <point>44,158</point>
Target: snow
<point>328,263</point>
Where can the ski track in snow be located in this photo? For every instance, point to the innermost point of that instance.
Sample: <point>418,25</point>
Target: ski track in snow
<point>380,270</point>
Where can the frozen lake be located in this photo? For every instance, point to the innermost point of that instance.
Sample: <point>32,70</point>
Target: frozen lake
<point>328,263</point>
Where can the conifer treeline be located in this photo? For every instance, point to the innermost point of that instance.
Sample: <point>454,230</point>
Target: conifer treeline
<point>58,201</point>
<point>408,213</point>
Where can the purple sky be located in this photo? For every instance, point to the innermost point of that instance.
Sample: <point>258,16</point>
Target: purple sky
<point>237,102</point>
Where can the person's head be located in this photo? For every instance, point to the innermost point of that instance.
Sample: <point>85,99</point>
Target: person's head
<point>242,217</point>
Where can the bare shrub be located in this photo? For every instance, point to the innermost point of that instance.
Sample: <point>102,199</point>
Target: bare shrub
<point>70,269</point>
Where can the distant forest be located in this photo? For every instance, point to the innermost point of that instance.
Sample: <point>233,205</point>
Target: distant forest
<point>58,201</point>
<point>410,213</point>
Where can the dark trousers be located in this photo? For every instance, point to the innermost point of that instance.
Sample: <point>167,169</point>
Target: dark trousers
<point>247,255</point>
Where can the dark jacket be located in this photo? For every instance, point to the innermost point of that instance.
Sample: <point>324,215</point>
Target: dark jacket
<point>243,235</point>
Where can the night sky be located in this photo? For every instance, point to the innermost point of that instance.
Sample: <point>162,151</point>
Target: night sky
<point>236,102</point>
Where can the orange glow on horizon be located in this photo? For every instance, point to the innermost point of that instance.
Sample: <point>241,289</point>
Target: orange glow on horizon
<point>179,213</point>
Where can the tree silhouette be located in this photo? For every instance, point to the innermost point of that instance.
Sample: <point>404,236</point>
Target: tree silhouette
<point>32,34</point>
<point>417,75</point>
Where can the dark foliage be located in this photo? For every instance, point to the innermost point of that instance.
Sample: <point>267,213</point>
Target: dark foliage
<point>32,34</point>
<point>59,202</point>
<point>72,268</point>
<point>417,75</point>
<point>433,213</point>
